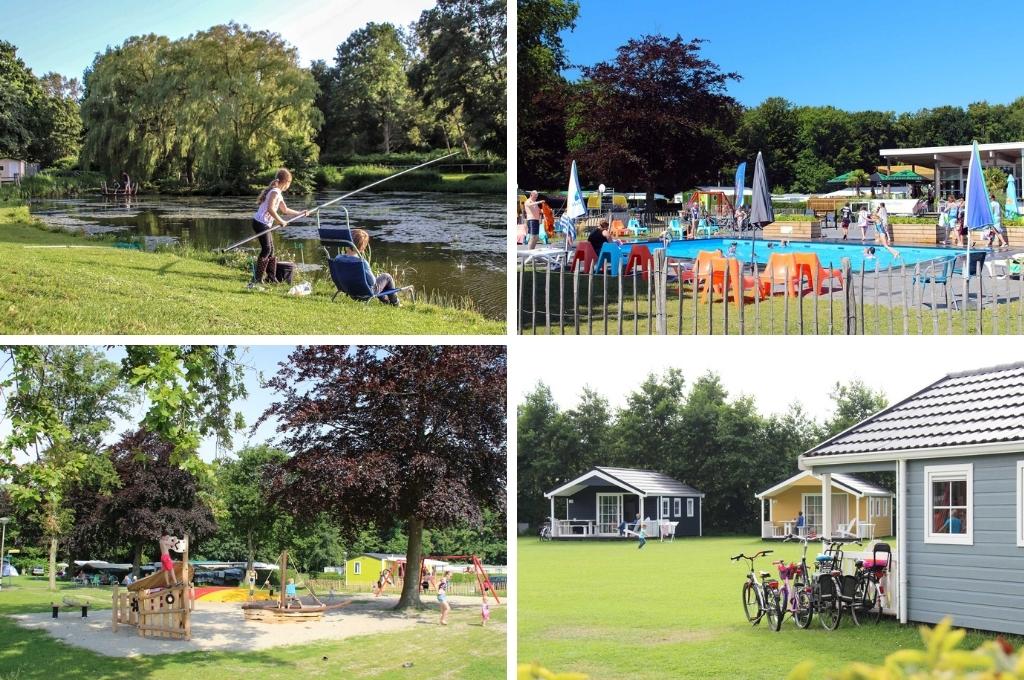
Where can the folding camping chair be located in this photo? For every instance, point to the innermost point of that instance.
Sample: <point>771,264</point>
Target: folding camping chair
<point>352,276</point>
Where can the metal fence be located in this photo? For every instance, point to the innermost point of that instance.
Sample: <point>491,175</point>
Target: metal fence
<point>923,299</point>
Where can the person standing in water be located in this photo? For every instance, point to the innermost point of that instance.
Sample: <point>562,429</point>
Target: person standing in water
<point>271,207</point>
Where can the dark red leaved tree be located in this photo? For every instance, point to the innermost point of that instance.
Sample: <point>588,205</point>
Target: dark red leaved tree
<point>154,494</point>
<point>410,434</point>
<point>655,117</point>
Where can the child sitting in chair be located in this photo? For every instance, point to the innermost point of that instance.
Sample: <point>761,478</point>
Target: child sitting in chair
<point>382,281</point>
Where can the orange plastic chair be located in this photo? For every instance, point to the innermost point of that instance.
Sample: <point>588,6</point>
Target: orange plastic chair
<point>584,257</point>
<point>618,229</point>
<point>781,268</point>
<point>810,266</point>
<point>739,283</point>
<point>702,266</point>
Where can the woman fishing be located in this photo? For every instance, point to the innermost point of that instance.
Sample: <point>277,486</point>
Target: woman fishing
<point>269,213</point>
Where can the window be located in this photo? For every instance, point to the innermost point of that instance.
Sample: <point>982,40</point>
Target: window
<point>813,515</point>
<point>949,504</point>
<point>879,507</point>
<point>1020,503</point>
<point>677,507</point>
<point>664,507</point>
<point>689,507</point>
<point>357,568</point>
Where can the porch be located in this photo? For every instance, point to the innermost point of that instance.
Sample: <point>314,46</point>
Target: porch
<point>591,529</point>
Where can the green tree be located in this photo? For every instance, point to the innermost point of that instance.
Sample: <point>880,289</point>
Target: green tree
<point>858,178</point>
<point>59,402</point>
<point>542,91</point>
<point>853,402</point>
<point>58,120</point>
<point>542,439</point>
<point>20,94</point>
<point>242,489</point>
<point>464,69</point>
<point>772,127</point>
<point>995,182</point>
<point>370,103</point>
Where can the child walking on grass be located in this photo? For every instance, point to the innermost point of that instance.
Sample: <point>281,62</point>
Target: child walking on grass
<point>442,597</point>
<point>485,611</point>
<point>641,537</point>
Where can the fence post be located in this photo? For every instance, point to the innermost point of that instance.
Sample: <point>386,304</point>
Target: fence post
<point>661,290</point>
<point>522,285</point>
<point>547,297</point>
<point>576,301</point>
<point>981,295</point>
<point>849,300</point>
<point>725,297</point>
<point>533,296</point>
<point>604,305</point>
<point>561,300</point>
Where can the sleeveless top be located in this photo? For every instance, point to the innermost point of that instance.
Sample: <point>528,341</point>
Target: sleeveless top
<point>263,215</point>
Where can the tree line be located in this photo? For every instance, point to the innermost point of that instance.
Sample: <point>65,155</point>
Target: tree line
<point>657,117</point>
<point>392,449</point>
<point>696,433</point>
<point>222,106</point>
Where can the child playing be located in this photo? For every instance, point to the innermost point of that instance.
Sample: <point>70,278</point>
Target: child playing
<point>641,537</point>
<point>166,543</point>
<point>289,593</point>
<point>485,611</point>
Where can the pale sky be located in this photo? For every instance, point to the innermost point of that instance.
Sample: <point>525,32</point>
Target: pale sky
<point>65,35</point>
<point>776,371</point>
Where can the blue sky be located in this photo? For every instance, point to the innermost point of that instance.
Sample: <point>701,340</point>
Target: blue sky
<point>819,53</point>
<point>65,35</point>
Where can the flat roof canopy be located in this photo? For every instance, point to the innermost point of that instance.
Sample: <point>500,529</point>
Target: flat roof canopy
<point>1003,152</point>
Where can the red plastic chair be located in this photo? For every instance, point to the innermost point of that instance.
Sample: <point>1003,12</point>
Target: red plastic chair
<point>584,257</point>
<point>640,257</point>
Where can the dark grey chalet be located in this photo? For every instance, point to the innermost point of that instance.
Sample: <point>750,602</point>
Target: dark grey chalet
<point>606,502</point>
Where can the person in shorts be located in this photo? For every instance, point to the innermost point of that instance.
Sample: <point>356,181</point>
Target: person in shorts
<point>442,596</point>
<point>844,219</point>
<point>532,207</point>
<point>862,222</point>
<point>997,223</point>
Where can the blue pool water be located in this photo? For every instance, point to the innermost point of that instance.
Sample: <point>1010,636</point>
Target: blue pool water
<point>829,254</point>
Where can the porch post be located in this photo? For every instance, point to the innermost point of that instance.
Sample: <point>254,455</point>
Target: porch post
<point>640,524</point>
<point>901,537</point>
<point>826,504</point>
<point>553,531</point>
<point>762,518</point>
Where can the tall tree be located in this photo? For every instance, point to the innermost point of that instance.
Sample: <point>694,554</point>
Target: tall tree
<point>20,94</point>
<point>59,401</point>
<point>542,91</point>
<point>464,67</point>
<point>853,402</point>
<point>655,117</point>
<point>410,434</point>
<point>243,490</point>
<point>153,495</point>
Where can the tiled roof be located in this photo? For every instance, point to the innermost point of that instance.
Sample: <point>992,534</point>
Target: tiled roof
<point>650,483</point>
<point>982,406</point>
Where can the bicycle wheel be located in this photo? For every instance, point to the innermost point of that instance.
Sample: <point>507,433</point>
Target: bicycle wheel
<point>804,607</point>
<point>752,603</point>
<point>771,605</point>
<point>876,600</point>
<point>830,608</point>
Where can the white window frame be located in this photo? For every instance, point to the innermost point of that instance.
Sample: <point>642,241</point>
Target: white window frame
<point>690,507</point>
<point>357,568</point>
<point>677,506</point>
<point>940,473</point>
<point>665,507</point>
<point>1020,503</point>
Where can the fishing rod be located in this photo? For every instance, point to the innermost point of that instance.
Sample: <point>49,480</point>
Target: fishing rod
<point>320,207</point>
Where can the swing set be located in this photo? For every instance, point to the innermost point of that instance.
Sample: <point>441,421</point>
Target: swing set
<point>483,581</point>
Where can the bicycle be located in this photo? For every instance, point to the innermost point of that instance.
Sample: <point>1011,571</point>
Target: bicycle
<point>794,599</point>
<point>871,594</point>
<point>763,595</point>
<point>824,584</point>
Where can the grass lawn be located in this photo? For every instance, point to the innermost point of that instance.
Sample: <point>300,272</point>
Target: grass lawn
<point>462,650</point>
<point>91,287</point>
<point>672,610</point>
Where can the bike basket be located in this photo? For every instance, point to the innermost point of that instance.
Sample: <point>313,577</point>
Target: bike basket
<point>826,585</point>
<point>849,585</point>
<point>787,571</point>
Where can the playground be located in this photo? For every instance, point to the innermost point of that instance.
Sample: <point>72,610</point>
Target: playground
<point>365,638</point>
<point>674,609</point>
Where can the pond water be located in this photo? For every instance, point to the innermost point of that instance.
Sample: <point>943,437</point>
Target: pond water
<point>452,244</point>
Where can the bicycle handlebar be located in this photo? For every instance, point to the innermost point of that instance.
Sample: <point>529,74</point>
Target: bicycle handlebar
<point>751,557</point>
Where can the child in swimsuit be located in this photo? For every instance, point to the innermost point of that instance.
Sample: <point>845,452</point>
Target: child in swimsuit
<point>485,611</point>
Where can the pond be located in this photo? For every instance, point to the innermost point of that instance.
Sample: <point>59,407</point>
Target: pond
<point>450,244</point>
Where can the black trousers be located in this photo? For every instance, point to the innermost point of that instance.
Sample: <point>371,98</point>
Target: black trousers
<point>266,239</point>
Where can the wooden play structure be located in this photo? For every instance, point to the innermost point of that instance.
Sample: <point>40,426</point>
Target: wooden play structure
<point>483,581</point>
<point>714,203</point>
<point>159,605</point>
<point>286,609</point>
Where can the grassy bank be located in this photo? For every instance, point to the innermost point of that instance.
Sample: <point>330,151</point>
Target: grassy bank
<point>427,179</point>
<point>462,650</point>
<point>58,283</point>
<point>673,610</point>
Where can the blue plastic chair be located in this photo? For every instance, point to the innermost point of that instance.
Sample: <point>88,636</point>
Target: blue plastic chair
<point>634,226</point>
<point>938,274</point>
<point>352,276</point>
<point>706,227</point>
<point>612,255</point>
<point>675,228</point>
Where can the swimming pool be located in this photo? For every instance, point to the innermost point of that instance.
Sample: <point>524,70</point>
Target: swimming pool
<point>829,254</point>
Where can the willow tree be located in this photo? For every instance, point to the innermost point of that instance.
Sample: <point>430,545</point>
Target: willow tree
<point>218,105</point>
<point>411,435</point>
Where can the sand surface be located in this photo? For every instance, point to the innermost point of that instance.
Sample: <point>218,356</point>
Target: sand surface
<point>219,626</point>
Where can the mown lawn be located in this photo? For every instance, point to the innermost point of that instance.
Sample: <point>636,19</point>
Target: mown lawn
<point>672,610</point>
<point>90,287</point>
<point>462,650</point>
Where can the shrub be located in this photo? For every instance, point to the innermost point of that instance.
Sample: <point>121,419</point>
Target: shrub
<point>358,176</point>
<point>939,659</point>
<point>327,176</point>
